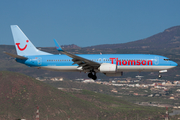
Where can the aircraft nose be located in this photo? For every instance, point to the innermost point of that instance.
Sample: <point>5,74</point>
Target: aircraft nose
<point>174,63</point>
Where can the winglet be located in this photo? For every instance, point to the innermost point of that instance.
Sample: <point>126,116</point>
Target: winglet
<point>57,46</point>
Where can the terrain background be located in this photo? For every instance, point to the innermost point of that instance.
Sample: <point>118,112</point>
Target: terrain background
<point>20,94</point>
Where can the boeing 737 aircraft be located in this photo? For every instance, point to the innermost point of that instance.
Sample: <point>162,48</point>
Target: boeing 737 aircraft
<point>109,64</point>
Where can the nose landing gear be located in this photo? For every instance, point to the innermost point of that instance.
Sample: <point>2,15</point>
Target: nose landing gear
<point>161,71</point>
<point>159,75</point>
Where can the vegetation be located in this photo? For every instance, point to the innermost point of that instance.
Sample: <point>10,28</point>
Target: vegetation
<point>20,94</point>
<point>124,93</point>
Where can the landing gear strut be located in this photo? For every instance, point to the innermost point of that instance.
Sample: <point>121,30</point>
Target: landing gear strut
<point>92,75</point>
<point>159,75</point>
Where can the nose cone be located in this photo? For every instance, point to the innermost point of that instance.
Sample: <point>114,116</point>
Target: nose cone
<point>174,64</point>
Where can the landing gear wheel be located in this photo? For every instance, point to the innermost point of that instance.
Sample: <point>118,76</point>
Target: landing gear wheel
<point>159,75</point>
<point>94,77</point>
<point>90,75</point>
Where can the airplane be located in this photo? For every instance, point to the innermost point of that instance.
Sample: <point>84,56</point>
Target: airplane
<point>112,65</point>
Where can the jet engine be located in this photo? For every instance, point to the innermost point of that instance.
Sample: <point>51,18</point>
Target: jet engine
<point>108,68</point>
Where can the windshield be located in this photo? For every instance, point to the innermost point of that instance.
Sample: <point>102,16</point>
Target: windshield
<point>167,59</point>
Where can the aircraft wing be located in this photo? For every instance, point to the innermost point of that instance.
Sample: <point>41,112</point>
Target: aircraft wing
<point>16,56</point>
<point>86,64</point>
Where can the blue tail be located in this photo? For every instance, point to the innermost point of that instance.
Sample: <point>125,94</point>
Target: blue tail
<point>24,47</point>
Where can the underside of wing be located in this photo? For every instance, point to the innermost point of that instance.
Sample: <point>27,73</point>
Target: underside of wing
<point>83,63</point>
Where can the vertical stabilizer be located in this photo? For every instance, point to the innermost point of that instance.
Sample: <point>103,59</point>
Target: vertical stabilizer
<point>24,47</point>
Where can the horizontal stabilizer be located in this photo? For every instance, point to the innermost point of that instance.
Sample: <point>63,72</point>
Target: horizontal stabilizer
<point>16,56</point>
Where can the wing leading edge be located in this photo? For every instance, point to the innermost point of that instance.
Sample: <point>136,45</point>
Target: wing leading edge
<point>83,63</point>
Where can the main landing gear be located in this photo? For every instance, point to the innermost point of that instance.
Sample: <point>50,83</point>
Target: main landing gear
<point>92,75</point>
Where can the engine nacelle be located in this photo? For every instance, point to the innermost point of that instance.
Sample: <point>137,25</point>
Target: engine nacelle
<point>114,74</point>
<point>108,68</point>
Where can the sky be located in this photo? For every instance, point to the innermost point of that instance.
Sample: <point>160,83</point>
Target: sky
<point>86,22</point>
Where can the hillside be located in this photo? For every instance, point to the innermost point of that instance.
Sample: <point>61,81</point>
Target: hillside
<point>169,38</point>
<point>20,94</point>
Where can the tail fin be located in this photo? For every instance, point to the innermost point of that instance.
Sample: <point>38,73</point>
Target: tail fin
<point>24,47</point>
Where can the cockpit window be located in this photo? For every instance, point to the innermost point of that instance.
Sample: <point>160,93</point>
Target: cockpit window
<point>167,59</point>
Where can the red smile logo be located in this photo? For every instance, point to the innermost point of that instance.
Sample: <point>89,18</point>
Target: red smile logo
<point>22,49</point>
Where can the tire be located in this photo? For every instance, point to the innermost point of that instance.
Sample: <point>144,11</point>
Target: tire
<point>94,77</point>
<point>90,75</point>
<point>159,75</point>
